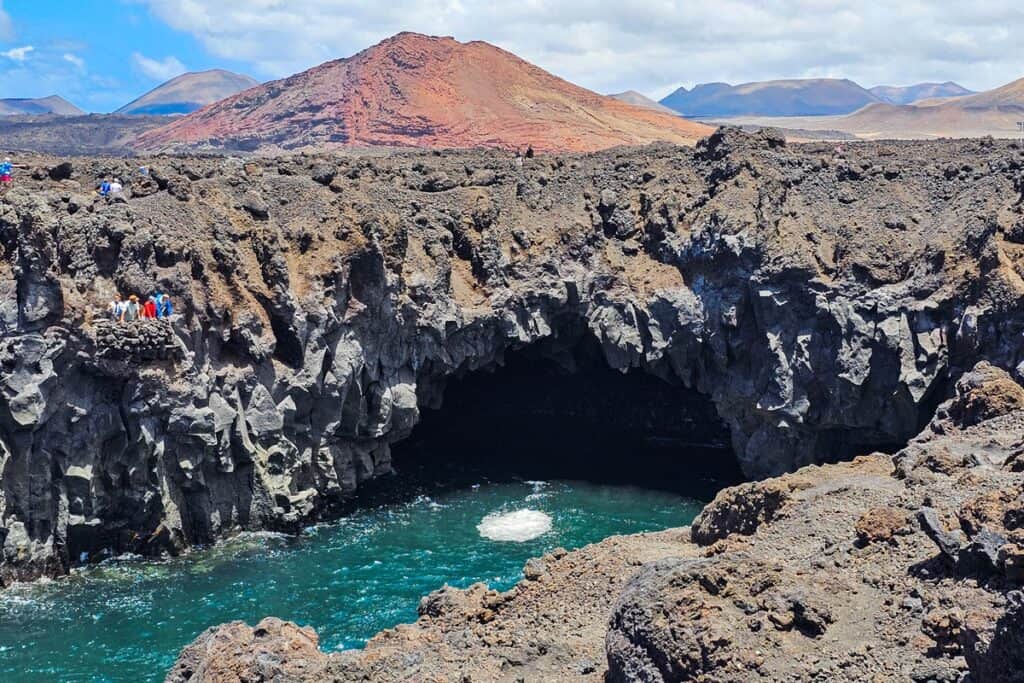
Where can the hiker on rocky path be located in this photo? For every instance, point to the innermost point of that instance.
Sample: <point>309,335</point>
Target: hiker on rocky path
<point>132,310</point>
<point>115,309</point>
<point>105,188</point>
<point>149,308</point>
<point>166,308</point>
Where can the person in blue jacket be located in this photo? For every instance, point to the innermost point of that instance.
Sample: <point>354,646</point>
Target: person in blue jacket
<point>166,307</point>
<point>105,188</point>
<point>6,169</point>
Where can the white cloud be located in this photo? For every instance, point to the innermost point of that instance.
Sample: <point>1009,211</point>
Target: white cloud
<point>6,27</point>
<point>648,45</point>
<point>160,70</point>
<point>74,60</point>
<point>18,54</point>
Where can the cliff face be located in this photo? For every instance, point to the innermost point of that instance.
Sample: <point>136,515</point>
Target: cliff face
<point>905,568</point>
<point>822,301</point>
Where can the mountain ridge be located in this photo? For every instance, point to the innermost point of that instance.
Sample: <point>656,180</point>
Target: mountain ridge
<point>783,97</point>
<point>911,94</point>
<point>413,90</point>
<point>188,92</point>
<point>53,104</point>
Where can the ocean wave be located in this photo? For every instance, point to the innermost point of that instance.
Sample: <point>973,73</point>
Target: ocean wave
<point>518,526</point>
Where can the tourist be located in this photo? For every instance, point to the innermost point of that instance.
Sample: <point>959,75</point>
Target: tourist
<point>149,308</point>
<point>529,151</point>
<point>131,310</point>
<point>166,308</point>
<point>115,308</point>
<point>116,187</point>
<point>6,169</point>
<point>105,188</point>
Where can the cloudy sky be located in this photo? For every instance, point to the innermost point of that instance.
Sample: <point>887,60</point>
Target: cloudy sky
<point>102,53</point>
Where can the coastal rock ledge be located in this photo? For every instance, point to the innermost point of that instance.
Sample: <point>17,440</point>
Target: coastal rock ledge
<point>823,302</point>
<point>884,568</point>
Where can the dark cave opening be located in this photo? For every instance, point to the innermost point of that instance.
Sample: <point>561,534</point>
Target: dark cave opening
<point>533,418</point>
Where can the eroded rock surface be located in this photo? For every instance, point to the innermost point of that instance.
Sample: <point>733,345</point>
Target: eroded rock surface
<point>824,302</point>
<point>841,583</point>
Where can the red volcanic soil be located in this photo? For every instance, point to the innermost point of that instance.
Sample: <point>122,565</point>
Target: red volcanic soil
<point>419,91</point>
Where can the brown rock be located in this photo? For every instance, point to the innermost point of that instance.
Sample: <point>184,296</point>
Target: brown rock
<point>880,524</point>
<point>273,650</point>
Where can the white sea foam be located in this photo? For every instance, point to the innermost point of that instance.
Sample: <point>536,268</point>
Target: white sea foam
<point>518,526</point>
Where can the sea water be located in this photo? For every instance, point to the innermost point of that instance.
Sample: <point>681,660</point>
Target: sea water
<point>127,619</point>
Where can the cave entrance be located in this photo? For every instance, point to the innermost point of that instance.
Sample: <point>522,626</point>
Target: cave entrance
<point>578,419</point>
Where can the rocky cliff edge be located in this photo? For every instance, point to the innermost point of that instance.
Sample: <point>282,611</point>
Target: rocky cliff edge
<point>824,301</point>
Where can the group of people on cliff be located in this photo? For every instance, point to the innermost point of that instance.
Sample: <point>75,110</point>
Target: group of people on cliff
<point>157,306</point>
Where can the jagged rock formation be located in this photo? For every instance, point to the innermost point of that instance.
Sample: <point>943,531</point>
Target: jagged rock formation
<point>823,303</point>
<point>879,569</point>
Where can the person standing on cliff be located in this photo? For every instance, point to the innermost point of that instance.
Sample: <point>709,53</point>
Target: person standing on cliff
<point>115,309</point>
<point>166,309</point>
<point>6,171</point>
<point>131,310</point>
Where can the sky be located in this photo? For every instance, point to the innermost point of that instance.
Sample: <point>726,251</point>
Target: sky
<point>101,54</point>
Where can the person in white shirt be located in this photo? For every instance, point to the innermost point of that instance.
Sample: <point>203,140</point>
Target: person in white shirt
<point>115,308</point>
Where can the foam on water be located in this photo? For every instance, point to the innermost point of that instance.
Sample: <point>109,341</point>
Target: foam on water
<point>126,619</point>
<point>518,526</point>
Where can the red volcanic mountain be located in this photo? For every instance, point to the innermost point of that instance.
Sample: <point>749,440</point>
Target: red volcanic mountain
<point>419,91</point>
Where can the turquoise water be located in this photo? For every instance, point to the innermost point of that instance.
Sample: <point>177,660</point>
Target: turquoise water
<point>126,620</point>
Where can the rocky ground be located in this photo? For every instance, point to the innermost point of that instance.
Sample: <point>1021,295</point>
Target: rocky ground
<point>824,302</point>
<point>880,569</point>
<point>97,134</point>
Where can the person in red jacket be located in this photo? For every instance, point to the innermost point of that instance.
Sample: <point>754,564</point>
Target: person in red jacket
<point>149,309</point>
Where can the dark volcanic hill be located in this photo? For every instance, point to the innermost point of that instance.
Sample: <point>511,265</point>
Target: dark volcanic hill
<point>74,135</point>
<point>921,91</point>
<point>189,92</point>
<point>54,104</point>
<point>794,97</point>
<point>418,91</point>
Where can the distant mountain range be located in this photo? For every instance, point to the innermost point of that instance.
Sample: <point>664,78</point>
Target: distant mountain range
<point>54,104</point>
<point>797,97</point>
<point>922,91</point>
<point>413,90</point>
<point>189,92</point>
<point>993,112</point>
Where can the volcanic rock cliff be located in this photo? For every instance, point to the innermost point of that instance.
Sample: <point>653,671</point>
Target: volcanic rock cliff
<point>825,303</point>
<point>905,568</point>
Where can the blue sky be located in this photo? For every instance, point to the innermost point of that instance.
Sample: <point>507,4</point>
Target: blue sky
<point>100,54</point>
